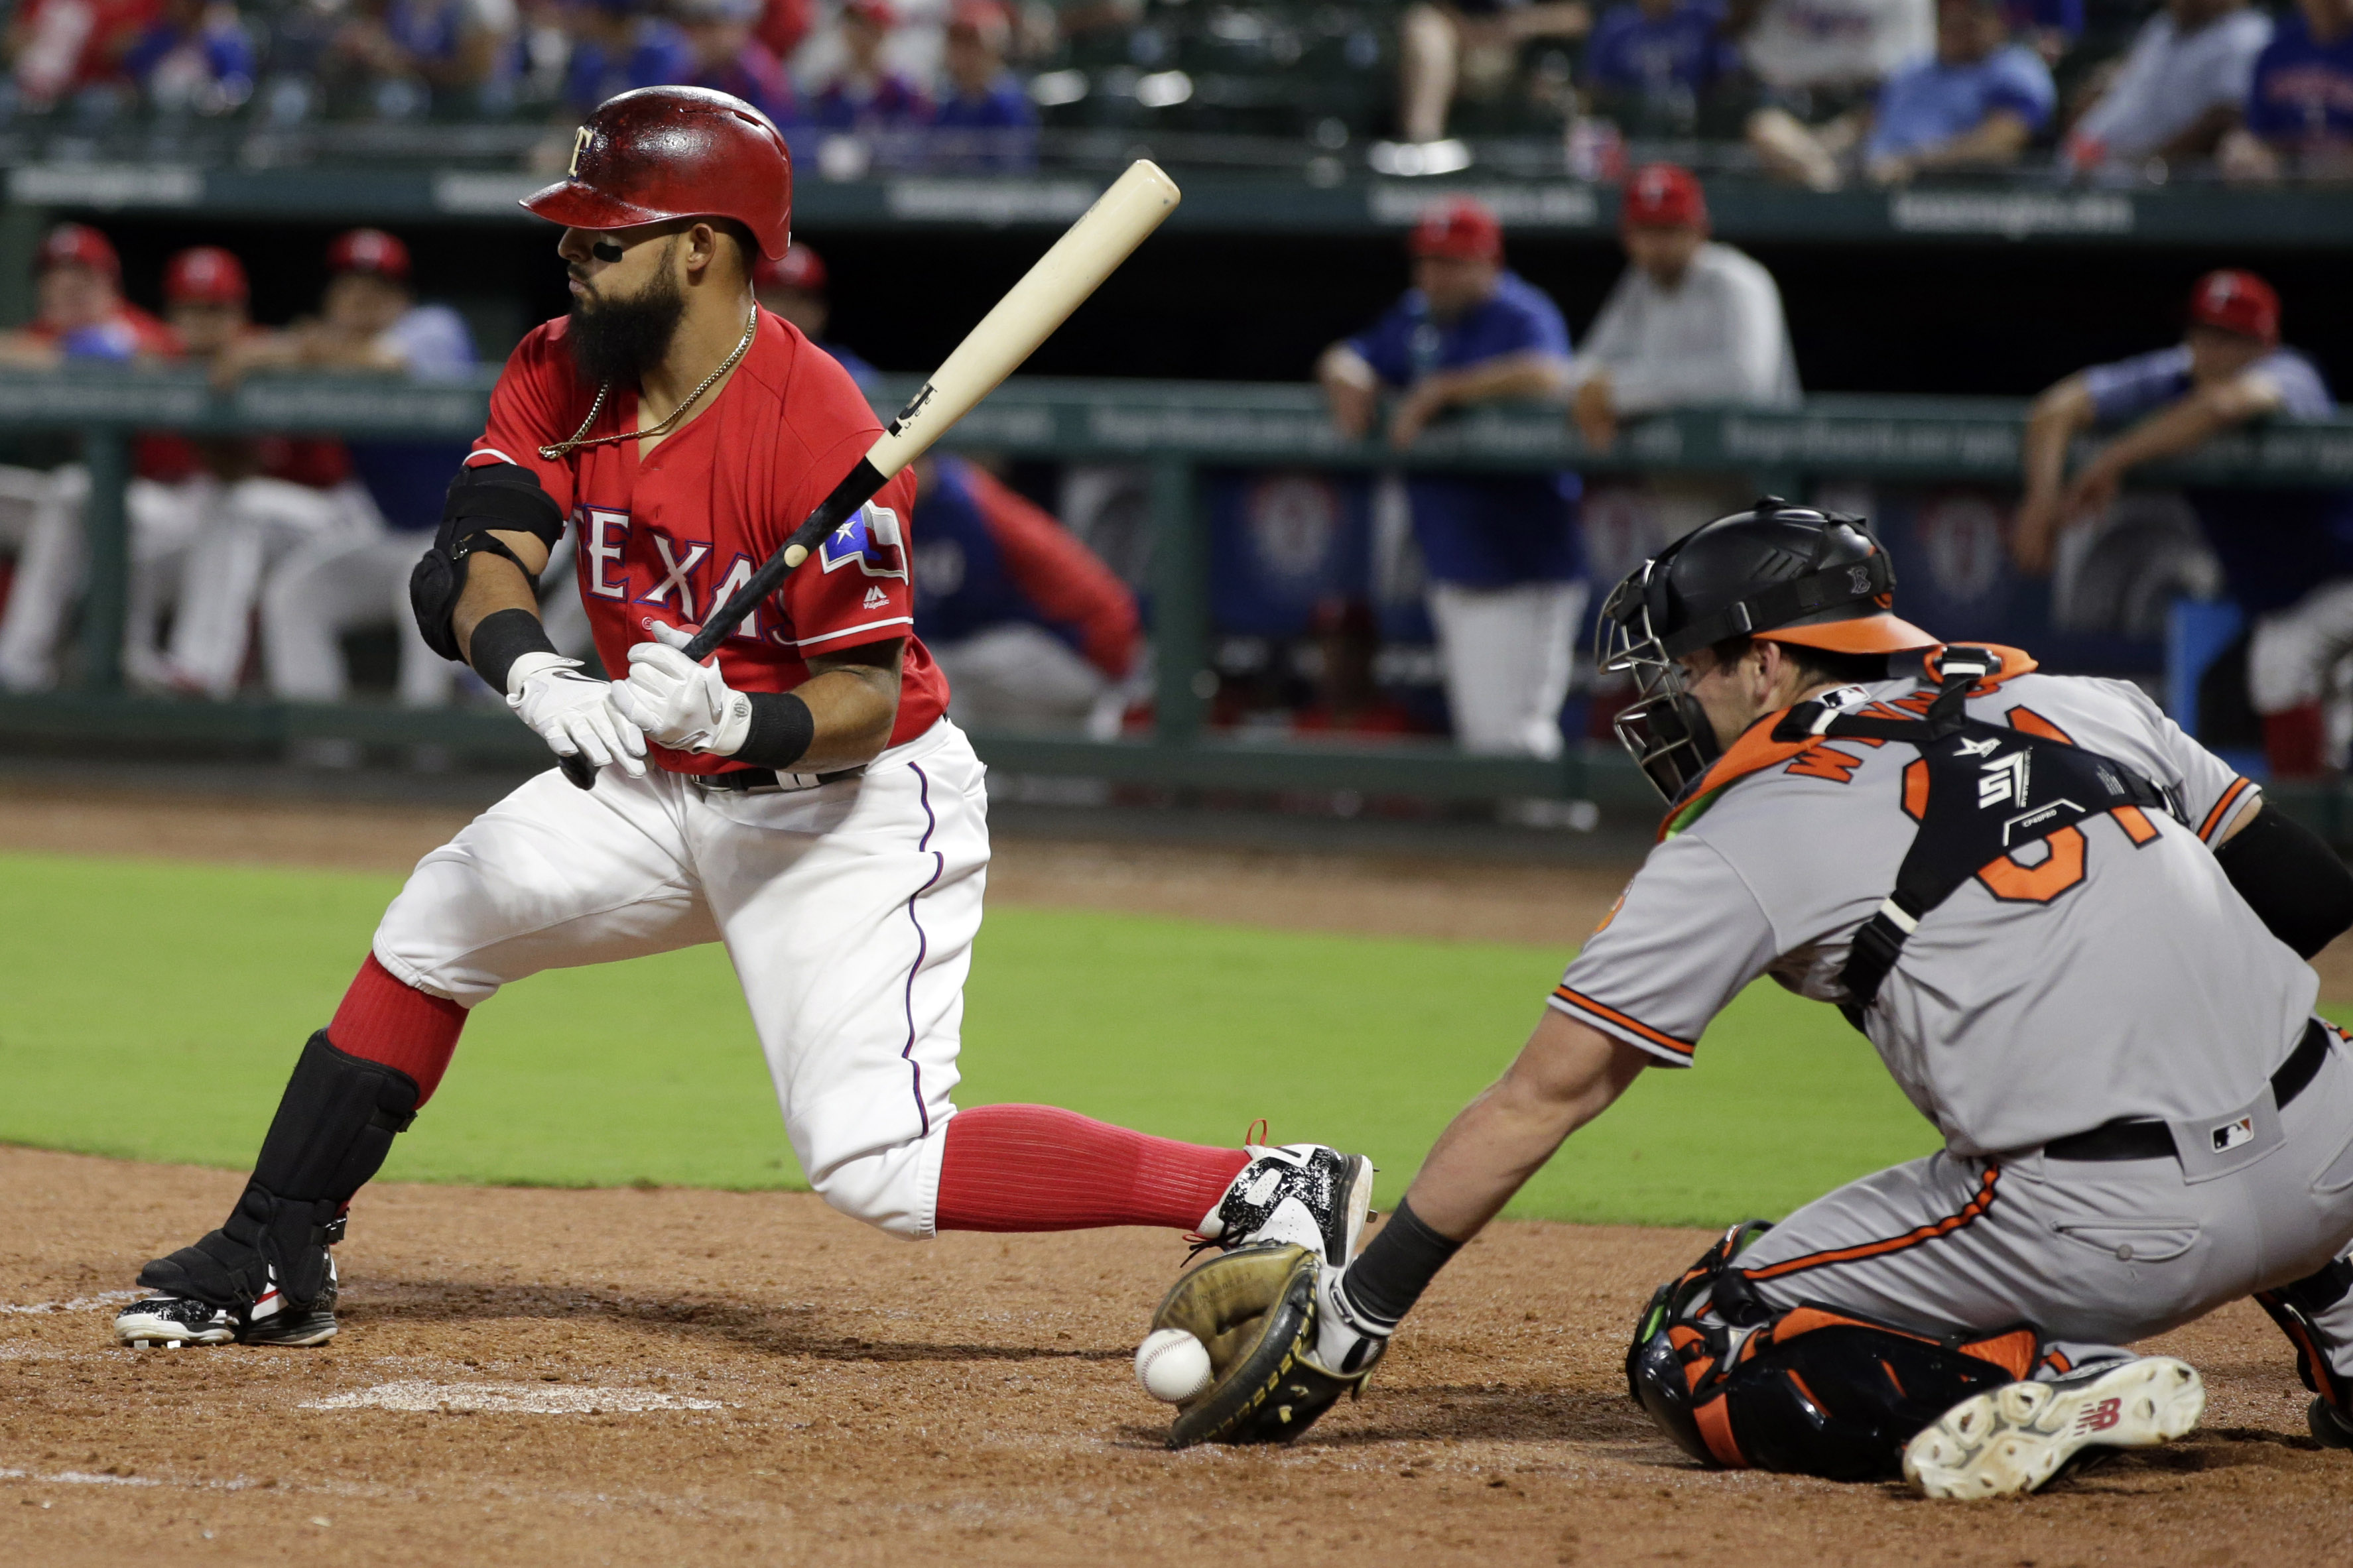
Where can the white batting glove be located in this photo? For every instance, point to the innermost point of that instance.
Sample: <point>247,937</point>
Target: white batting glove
<point>686,706</point>
<point>573,714</point>
<point>1346,1339</point>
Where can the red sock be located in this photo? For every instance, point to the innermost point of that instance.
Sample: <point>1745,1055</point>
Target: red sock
<point>384,1020</point>
<point>1033,1167</point>
<point>2296,743</point>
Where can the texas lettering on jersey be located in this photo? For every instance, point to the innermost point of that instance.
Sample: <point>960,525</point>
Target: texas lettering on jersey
<point>671,533</point>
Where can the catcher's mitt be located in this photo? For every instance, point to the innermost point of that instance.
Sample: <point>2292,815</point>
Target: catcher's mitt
<point>1254,1309</point>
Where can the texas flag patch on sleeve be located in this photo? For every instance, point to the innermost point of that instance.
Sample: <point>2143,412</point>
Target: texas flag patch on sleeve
<point>871,539</point>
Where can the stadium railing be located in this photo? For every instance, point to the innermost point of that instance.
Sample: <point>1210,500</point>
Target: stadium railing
<point>1174,430</point>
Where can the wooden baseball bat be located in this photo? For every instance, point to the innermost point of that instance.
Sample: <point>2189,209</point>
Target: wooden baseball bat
<point>1089,249</point>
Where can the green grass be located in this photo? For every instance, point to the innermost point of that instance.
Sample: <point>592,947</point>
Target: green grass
<point>153,1010</point>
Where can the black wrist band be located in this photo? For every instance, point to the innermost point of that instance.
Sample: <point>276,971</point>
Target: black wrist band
<point>782,729</point>
<point>500,639</point>
<point>1389,1276</point>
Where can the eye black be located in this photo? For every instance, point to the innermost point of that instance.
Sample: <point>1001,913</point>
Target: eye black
<point>605,251</point>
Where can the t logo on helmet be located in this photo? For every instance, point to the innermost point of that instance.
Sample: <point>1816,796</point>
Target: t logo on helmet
<point>580,140</point>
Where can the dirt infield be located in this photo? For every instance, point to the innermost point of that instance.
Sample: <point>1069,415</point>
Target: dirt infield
<point>557,1377</point>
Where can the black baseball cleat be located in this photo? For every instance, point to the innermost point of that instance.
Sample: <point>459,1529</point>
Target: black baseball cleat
<point>172,1322</point>
<point>2330,1428</point>
<point>1309,1195</point>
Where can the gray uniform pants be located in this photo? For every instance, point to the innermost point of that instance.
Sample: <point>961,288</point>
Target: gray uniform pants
<point>2095,1254</point>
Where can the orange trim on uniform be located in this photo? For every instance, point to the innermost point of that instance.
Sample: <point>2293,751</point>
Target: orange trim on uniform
<point>1858,634</point>
<point>1812,1397</point>
<point>1978,1203</point>
<point>2026,719</point>
<point>1583,1003</point>
<point>2136,824</point>
<point>2057,1360</point>
<point>1715,1424</point>
<point>2012,1352</point>
<point>2221,812</point>
<point>1915,789</point>
<point>2011,663</point>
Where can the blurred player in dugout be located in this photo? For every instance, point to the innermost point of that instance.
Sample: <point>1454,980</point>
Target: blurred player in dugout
<point>2287,555</point>
<point>198,509</point>
<point>1506,564</point>
<point>1034,631</point>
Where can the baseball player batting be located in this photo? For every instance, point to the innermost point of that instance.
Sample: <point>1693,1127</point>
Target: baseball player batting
<point>802,798</point>
<point>2076,939</point>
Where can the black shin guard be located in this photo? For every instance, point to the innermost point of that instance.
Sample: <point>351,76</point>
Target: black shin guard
<point>2294,1308</point>
<point>333,1128</point>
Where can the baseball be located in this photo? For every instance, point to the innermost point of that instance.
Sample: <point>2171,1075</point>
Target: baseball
<point>1172,1366</point>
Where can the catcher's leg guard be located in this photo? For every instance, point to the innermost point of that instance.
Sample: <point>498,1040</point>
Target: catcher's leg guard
<point>333,1128</point>
<point>2298,1309</point>
<point>1814,1390</point>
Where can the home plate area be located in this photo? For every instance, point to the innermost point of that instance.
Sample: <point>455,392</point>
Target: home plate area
<point>536,1376</point>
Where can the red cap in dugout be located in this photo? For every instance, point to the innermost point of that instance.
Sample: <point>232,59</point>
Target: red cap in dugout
<point>800,267</point>
<point>662,152</point>
<point>1663,196</point>
<point>369,250</point>
<point>1460,229</point>
<point>78,245</point>
<point>2236,302</point>
<point>206,275</point>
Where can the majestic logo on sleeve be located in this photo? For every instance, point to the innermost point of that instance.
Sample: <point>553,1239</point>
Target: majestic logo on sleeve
<point>871,539</point>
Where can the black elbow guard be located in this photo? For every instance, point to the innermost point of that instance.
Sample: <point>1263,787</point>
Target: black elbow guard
<point>504,497</point>
<point>2291,879</point>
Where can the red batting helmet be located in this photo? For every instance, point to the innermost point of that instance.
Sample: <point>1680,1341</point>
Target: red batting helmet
<point>1460,227</point>
<point>369,250</point>
<point>800,269</point>
<point>2235,301</point>
<point>676,151</point>
<point>206,275</point>
<point>78,245</point>
<point>1663,196</point>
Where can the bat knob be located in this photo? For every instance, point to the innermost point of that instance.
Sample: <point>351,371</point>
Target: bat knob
<point>795,555</point>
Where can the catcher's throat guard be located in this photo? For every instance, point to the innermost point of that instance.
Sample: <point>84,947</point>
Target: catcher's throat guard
<point>1254,1309</point>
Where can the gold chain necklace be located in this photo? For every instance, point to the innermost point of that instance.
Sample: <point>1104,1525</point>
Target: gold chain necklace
<point>580,437</point>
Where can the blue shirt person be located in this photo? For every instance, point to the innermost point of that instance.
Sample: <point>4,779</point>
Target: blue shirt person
<point>1501,552</point>
<point>617,48</point>
<point>1978,100</point>
<point>1650,61</point>
<point>985,120</point>
<point>2301,105</point>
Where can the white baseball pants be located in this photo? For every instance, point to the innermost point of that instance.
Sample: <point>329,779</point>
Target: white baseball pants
<point>246,527</point>
<point>1506,653</point>
<point>2290,652</point>
<point>55,561</point>
<point>848,911</point>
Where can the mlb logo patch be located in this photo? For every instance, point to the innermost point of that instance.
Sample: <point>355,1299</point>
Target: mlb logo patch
<point>2231,1134</point>
<point>871,539</point>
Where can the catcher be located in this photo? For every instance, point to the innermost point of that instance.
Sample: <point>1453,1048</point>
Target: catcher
<point>2076,939</point>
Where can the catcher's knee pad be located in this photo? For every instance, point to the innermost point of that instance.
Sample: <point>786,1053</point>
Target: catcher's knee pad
<point>2297,1308</point>
<point>1815,1390</point>
<point>333,1128</point>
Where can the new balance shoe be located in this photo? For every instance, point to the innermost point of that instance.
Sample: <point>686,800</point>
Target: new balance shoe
<point>1305,1193</point>
<point>2016,1439</point>
<point>172,1321</point>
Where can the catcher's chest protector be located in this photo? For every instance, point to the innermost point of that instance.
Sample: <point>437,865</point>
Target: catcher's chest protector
<point>1980,791</point>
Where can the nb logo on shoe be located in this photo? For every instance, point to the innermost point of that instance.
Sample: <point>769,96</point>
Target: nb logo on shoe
<point>2101,1416</point>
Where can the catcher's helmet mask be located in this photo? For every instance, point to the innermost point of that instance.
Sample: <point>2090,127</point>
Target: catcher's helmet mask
<point>1775,572</point>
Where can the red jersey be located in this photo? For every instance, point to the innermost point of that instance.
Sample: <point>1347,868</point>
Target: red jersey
<point>672,537</point>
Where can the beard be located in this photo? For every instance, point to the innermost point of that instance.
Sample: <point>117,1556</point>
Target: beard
<point>620,340</point>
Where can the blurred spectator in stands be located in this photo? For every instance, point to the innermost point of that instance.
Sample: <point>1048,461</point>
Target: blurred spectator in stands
<point>2300,106</point>
<point>1819,64</point>
<point>984,118</point>
<point>1033,631</point>
<point>1469,47</point>
<point>1690,322</point>
<point>1650,62</point>
<point>63,49</point>
<point>866,94</point>
<point>618,45</point>
<point>1501,552</point>
<point>729,57</point>
<point>794,289</point>
<point>2180,90</point>
<point>2048,27</point>
<point>2287,555</point>
<point>1349,699</point>
<point>783,25</point>
<point>195,58</point>
<point>402,58</point>
<point>1974,103</point>
<point>80,314</point>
